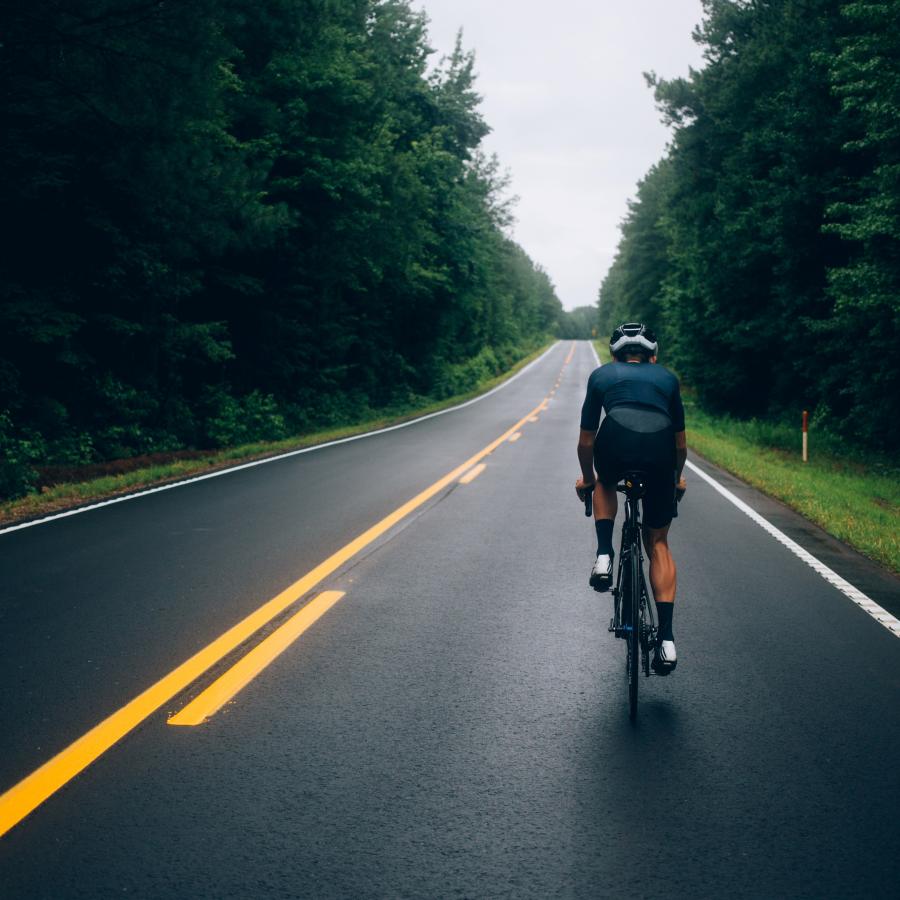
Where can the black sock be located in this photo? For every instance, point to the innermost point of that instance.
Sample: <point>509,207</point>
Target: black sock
<point>604,535</point>
<point>664,612</point>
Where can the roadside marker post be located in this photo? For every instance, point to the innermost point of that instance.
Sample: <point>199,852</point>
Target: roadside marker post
<point>805,435</point>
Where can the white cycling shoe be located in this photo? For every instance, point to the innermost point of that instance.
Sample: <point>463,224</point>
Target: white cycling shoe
<point>664,659</point>
<point>601,574</point>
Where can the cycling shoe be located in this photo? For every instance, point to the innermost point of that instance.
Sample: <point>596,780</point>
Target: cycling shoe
<point>664,658</point>
<point>601,574</point>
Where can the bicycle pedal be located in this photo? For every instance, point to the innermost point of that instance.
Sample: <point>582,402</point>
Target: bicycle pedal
<point>662,669</point>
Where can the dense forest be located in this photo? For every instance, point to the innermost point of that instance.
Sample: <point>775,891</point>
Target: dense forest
<point>227,221</point>
<point>765,246</point>
<point>578,324</point>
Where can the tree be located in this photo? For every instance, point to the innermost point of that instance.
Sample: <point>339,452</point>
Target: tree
<point>861,333</point>
<point>229,221</point>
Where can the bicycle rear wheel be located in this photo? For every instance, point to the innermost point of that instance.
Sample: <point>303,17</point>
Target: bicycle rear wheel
<point>632,600</point>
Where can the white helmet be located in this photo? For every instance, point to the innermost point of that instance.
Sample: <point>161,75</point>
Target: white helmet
<point>633,334</point>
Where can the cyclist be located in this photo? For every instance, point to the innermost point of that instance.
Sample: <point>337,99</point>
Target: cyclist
<point>643,429</point>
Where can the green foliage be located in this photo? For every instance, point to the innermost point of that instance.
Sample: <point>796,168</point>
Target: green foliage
<point>578,324</point>
<point>765,247</point>
<point>18,452</point>
<point>465,377</point>
<point>239,420</point>
<point>865,289</point>
<point>226,221</point>
<point>632,289</point>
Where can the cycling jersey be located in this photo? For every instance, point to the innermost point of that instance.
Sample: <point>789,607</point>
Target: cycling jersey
<point>643,409</point>
<point>639,385</point>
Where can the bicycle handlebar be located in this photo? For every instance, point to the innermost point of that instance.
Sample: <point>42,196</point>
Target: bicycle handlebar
<point>588,503</point>
<point>589,506</point>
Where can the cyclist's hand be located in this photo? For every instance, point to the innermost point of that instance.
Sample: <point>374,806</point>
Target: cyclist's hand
<point>583,489</point>
<point>680,488</point>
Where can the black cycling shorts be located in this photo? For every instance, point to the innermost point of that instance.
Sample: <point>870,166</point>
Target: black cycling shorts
<point>633,438</point>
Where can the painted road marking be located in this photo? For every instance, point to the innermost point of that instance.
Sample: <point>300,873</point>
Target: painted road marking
<point>571,354</point>
<point>30,792</point>
<point>472,474</point>
<point>863,601</point>
<point>533,418</point>
<point>515,437</point>
<point>269,459</point>
<point>249,666</point>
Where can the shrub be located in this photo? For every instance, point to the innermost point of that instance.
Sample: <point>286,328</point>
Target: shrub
<point>240,420</point>
<point>17,454</point>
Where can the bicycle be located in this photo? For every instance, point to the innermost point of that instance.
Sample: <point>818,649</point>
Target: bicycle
<point>634,616</point>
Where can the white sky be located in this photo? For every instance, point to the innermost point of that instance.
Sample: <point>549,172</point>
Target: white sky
<point>572,119</point>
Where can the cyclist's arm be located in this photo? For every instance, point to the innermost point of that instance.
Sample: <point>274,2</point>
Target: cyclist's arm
<point>676,411</point>
<point>680,453</point>
<point>590,422</point>
<point>586,456</point>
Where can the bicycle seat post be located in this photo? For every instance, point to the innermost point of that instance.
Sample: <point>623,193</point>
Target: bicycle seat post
<point>633,484</point>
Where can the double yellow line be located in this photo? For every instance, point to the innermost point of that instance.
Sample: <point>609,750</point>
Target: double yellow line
<point>249,666</point>
<point>33,790</point>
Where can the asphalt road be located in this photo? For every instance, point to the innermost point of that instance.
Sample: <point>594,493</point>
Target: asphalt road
<point>456,725</point>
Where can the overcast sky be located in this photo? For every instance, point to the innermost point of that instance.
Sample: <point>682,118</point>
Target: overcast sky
<point>572,119</point>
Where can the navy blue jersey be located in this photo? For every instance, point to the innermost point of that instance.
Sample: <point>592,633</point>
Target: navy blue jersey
<point>641,385</point>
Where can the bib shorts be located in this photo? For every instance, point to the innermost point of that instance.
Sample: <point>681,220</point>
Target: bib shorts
<point>637,438</point>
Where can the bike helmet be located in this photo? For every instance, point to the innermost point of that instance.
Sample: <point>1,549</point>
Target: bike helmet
<point>635,335</point>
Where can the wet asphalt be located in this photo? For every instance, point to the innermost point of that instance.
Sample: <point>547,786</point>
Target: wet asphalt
<point>457,725</point>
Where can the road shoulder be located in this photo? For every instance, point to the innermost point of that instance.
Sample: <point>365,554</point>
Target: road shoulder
<point>863,573</point>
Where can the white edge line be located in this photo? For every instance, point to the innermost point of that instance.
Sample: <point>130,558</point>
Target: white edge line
<point>864,602</point>
<point>260,462</point>
<point>857,596</point>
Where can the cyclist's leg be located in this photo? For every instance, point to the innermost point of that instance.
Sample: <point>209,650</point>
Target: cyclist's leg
<point>659,509</point>
<point>606,447</point>
<point>606,501</point>
<point>663,575</point>
<point>607,461</point>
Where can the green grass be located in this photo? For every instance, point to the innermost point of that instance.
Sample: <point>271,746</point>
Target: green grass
<point>856,501</point>
<point>67,496</point>
<point>855,497</point>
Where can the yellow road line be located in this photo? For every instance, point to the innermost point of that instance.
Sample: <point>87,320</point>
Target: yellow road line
<point>31,791</point>
<point>249,666</point>
<point>473,473</point>
<point>534,418</point>
<point>513,438</point>
<point>571,354</point>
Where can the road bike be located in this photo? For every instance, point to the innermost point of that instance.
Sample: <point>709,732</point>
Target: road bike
<point>634,616</point>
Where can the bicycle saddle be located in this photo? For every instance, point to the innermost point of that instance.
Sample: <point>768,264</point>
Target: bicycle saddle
<point>633,484</point>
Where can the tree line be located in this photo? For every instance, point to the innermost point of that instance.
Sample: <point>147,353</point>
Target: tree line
<point>228,221</point>
<point>765,245</point>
